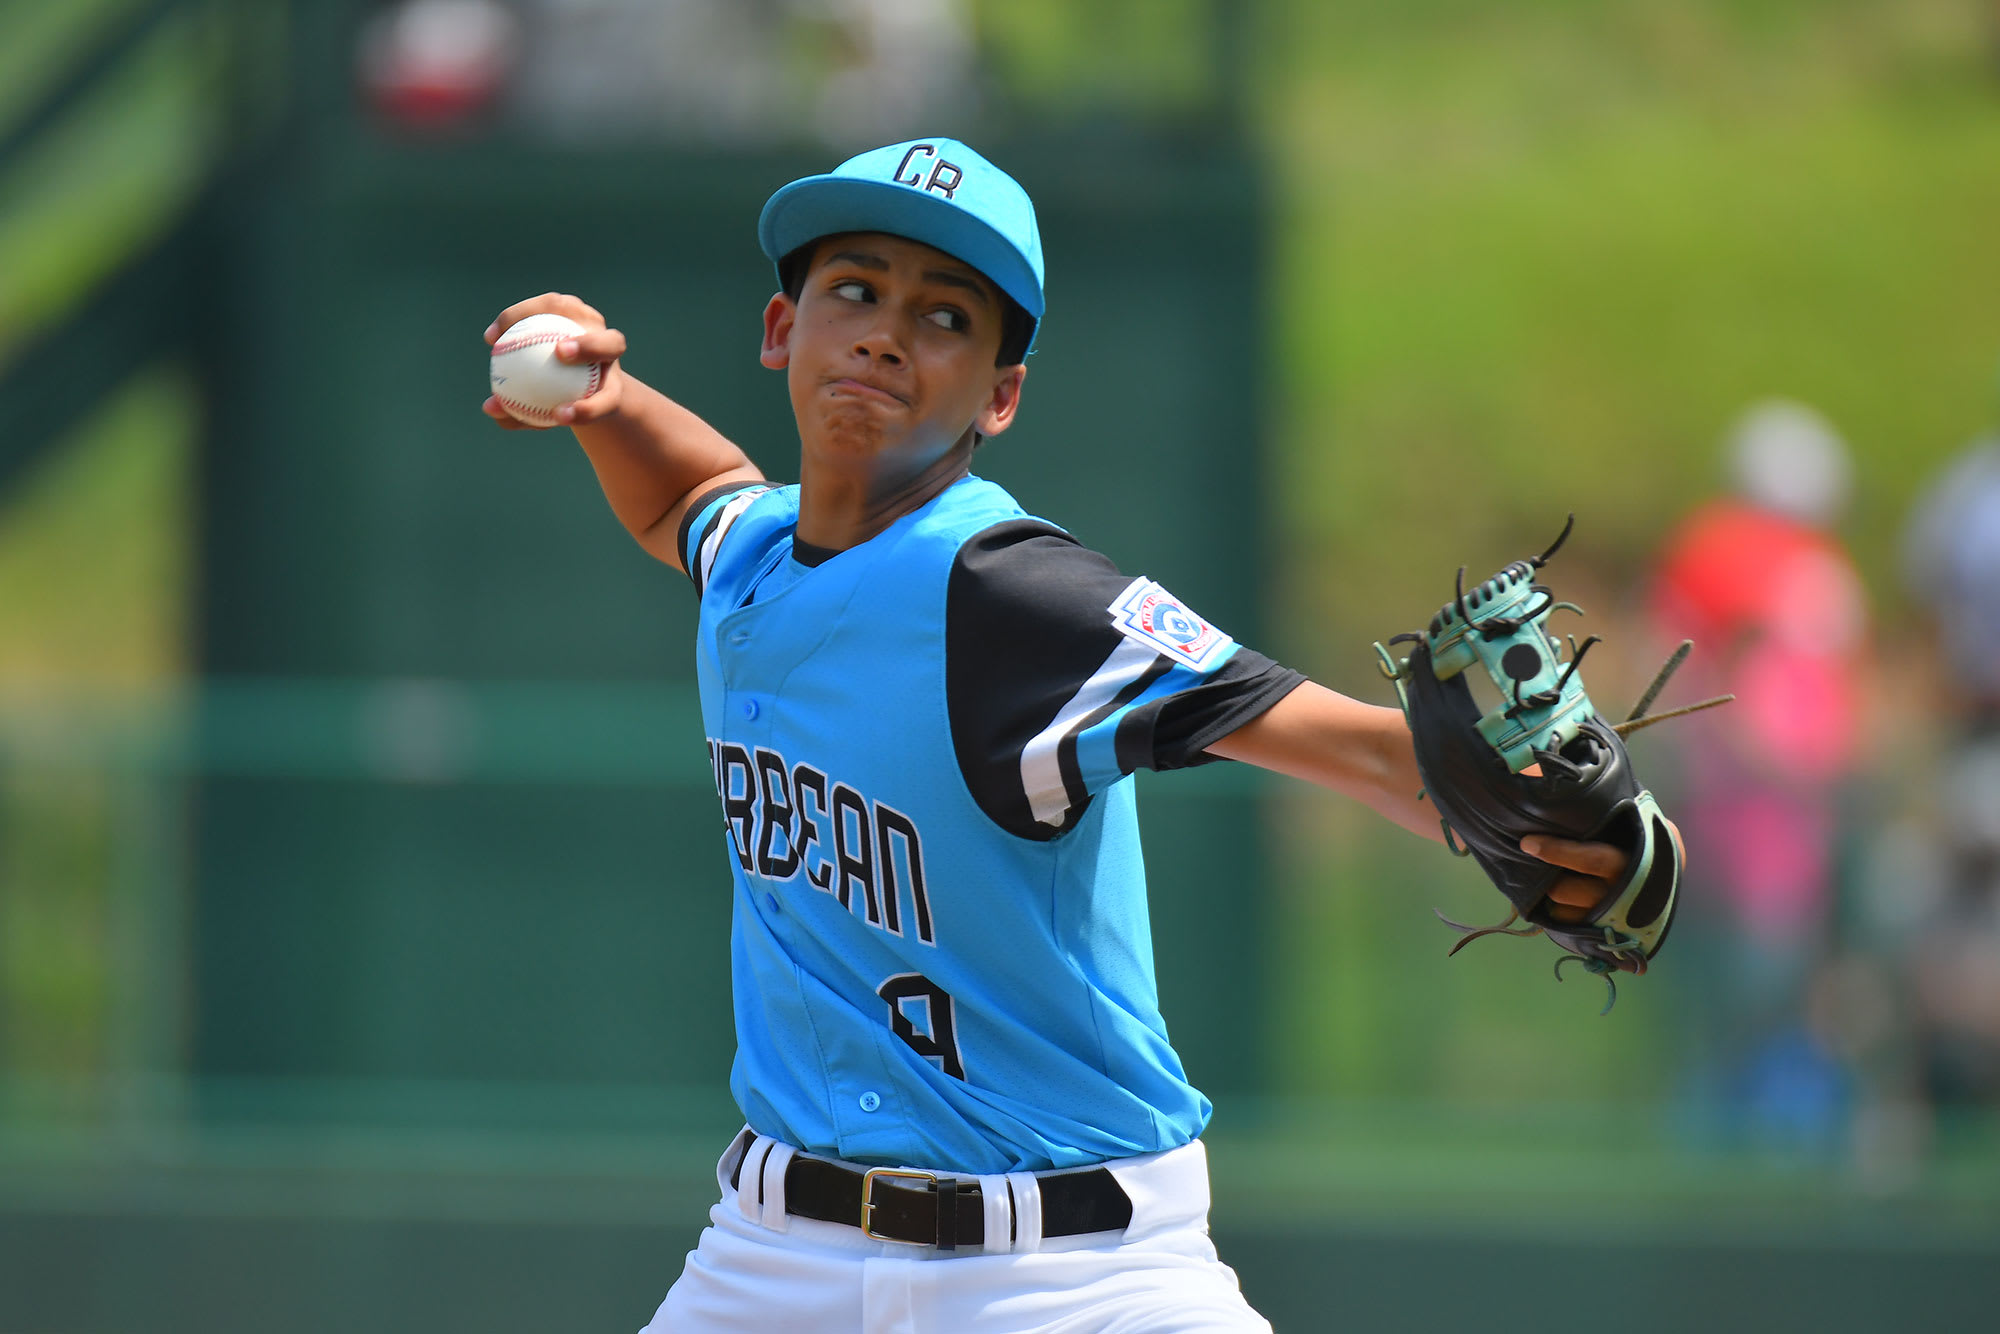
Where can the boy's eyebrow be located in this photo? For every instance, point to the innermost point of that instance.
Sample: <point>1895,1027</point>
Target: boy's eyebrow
<point>858,258</point>
<point>947,277</point>
<point>861,259</point>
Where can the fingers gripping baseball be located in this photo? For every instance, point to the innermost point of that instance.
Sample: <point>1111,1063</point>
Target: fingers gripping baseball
<point>581,367</point>
<point>601,347</point>
<point>548,303</point>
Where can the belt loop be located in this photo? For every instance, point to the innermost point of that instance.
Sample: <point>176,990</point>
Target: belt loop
<point>1027,1194</point>
<point>993,1197</point>
<point>947,1213</point>
<point>730,1165</point>
<point>771,1185</point>
<point>750,1181</point>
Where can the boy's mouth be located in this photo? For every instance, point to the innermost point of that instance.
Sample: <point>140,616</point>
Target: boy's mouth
<point>847,384</point>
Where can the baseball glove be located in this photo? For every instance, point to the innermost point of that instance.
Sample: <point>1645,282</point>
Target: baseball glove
<point>1476,761</point>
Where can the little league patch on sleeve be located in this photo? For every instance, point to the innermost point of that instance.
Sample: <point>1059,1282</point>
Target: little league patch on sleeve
<point>1150,615</point>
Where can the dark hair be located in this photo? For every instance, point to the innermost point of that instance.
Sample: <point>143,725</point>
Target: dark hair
<point>1017,326</point>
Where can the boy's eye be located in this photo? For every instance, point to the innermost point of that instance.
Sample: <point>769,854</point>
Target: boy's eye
<point>852,291</point>
<point>953,320</point>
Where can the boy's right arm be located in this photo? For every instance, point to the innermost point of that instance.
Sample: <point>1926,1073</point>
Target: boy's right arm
<point>653,457</point>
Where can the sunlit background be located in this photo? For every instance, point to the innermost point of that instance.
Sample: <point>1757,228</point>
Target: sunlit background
<point>362,911</point>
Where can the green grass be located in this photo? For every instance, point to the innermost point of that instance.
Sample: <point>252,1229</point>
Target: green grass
<point>1139,57</point>
<point>1537,258</point>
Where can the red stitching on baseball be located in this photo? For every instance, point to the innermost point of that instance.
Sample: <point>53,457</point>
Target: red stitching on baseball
<point>504,345</point>
<point>532,415</point>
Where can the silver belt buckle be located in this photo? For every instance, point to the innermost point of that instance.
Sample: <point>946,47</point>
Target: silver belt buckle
<point>868,1199</point>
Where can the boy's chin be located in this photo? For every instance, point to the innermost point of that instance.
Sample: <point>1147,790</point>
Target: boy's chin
<point>854,435</point>
<point>852,431</point>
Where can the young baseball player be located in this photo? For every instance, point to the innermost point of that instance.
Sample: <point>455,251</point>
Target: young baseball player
<point>924,707</point>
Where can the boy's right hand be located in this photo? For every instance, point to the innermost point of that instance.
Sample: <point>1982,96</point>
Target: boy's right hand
<point>595,344</point>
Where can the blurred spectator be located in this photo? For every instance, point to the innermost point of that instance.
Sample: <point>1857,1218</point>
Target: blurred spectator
<point>746,71</point>
<point>1953,566</point>
<point>1777,614</point>
<point>437,64</point>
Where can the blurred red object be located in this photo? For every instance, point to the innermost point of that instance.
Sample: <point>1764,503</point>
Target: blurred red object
<point>438,64</point>
<point>1778,601</point>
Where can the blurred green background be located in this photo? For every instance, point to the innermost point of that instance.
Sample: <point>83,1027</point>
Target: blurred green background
<point>361,938</point>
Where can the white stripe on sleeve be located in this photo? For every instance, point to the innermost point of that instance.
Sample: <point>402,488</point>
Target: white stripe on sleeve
<point>731,512</point>
<point>1041,766</point>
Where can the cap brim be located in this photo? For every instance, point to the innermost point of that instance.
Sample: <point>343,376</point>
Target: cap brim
<point>820,206</point>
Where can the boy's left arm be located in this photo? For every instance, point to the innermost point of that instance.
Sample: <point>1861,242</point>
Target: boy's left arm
<point>1364,751</point>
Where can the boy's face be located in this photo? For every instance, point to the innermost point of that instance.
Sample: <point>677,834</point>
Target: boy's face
<point>889,353</point>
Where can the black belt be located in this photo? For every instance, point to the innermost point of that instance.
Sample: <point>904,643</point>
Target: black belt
<point>921,1209</point>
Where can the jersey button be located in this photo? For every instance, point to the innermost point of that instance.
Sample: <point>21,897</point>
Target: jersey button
<point>870,1100</point>
<point>750,708</point>
<point>771,902</point>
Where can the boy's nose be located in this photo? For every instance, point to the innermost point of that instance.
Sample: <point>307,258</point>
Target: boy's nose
<point>880,345</point>
<point>883,339</point>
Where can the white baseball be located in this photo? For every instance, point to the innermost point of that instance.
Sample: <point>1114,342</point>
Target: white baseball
<point>526,377</point>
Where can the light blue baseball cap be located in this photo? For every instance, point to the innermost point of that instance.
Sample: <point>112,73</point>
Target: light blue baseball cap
<point>937,191</point>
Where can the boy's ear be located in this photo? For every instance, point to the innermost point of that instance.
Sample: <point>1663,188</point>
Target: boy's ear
<point>779,313</point>
<point>997,413</point>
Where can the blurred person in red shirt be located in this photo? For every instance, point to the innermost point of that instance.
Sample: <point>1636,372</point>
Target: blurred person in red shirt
<point>1778,616</point>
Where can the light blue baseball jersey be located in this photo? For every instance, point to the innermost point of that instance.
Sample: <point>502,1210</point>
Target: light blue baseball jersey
<point>923,746</point>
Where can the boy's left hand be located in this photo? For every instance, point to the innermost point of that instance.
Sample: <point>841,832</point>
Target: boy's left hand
<point>1594,867</point>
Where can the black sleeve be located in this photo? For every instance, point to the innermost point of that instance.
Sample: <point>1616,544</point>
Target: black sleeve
<point>1063,675</point>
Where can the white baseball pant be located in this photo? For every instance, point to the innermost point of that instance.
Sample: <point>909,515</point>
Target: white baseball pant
<point>759,1269</point>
